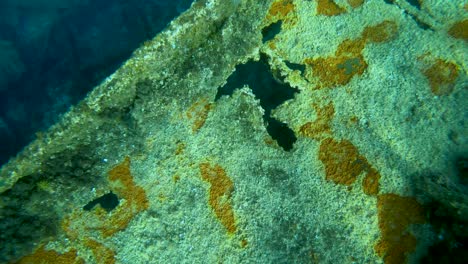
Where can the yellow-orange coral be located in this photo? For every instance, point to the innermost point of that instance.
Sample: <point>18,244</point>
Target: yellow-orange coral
<point>220,194</point>
<point>395,214</point>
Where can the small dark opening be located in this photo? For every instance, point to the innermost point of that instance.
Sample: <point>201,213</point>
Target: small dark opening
<point>419,23</point>
<point>269,32</point>
<point>281,133</point>
<point>461,166</point>
<point>269,87</point>
<point>108,202</point>
<point>296,67</point>
<point>415,3</point>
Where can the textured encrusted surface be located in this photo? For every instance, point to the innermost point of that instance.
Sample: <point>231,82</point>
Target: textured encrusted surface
<point>379,118</point>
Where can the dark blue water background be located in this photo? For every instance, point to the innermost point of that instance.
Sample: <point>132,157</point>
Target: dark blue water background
<point>53,52</point>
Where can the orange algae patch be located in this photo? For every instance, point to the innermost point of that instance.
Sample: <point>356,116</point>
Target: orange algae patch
<point>441,75</point>
<point>329,8</point>
<point>269,141</point>
<point>272,45</point>
<point>180,148</point>
<point>176,178</point>
<point>335,71</point>
<point>370,183</point>
<point>459,30</point>
<point>135,196</point>
<point>348,60</point>
<point>343,164</point>
<point>281,8</point>
<point>68,226</point>
<point>220,194</point>
<point>355,3</point>
<point>244,243</point>
<point>382,32</point>
<point>101,253</point>
<point>320,127</point>
<point>395,214</point>
<point>79,224</point>
<point>341,160</point>
<point>43,256</point>
<point>198,113</point>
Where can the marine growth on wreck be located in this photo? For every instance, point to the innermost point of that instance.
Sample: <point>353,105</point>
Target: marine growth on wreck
<point>275,131</point>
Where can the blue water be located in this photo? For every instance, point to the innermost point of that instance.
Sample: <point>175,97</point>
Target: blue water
<point>53,52</point>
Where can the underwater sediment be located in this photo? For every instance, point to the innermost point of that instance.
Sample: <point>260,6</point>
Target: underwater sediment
<point>285,131</point>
